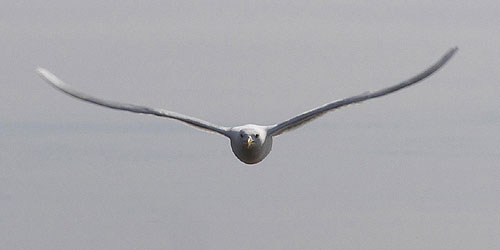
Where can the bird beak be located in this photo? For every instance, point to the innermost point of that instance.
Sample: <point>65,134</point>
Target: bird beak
<point>249,142</point>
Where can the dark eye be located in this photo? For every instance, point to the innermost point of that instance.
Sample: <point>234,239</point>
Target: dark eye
<point>241,135</point>
<point>257,136</point>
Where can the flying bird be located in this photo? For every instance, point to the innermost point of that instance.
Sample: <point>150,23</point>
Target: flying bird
<point>250,143</point>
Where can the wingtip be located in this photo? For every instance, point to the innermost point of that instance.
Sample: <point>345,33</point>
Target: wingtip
<point>453,50</point>
<point>42,72</point>
<point>49,77</point>
<point>449,54</point>
<point>39,70</point>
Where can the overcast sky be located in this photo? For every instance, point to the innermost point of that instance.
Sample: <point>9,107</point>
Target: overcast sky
<point>418,169</point>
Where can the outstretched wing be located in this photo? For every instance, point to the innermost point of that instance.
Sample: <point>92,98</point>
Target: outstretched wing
<point>60,85</point>
<point>317,112</point>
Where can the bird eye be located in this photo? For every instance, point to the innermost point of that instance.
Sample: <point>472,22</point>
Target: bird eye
<point>241,135</point>
<point>257,136</point>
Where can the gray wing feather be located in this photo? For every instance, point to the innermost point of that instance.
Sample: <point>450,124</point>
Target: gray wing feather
<point>60,85</point>
<point>317,112</point>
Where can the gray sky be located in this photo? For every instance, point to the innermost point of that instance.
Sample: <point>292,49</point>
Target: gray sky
<point>413,170</point>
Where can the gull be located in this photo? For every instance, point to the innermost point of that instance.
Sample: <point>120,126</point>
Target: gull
<point>250,143</point>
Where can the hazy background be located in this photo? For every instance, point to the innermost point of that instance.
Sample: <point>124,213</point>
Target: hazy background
<point>415,170</point>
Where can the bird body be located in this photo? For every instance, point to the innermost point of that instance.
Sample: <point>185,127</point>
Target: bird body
<point>250,143</point>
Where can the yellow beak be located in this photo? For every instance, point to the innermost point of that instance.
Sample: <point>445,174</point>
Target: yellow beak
<point>249,142</point>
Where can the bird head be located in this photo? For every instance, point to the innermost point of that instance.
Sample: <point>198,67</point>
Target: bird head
<point>250,138</point>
